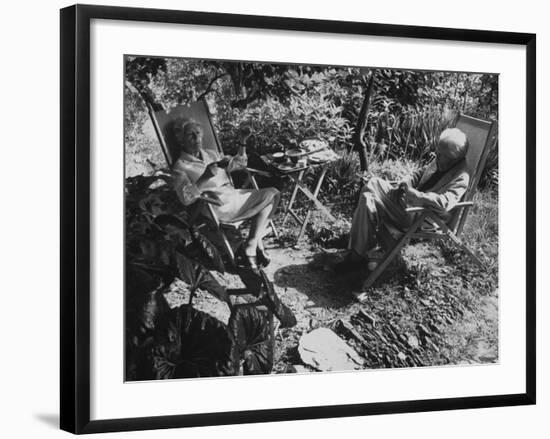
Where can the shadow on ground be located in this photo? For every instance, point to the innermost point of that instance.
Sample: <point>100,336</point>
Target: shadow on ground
<point>315,279</point>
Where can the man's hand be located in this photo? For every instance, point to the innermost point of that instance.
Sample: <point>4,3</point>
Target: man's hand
<point>412,197</point>
<point>398,196</point>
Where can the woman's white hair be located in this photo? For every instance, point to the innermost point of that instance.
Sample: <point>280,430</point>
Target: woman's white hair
<point>454,142</point>
<point>183,123</point>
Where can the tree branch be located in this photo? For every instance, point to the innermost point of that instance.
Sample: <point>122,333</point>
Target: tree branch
<point>209,87</point>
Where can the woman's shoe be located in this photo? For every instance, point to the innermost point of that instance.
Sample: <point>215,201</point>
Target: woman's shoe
<point>244,260</point>
<point>262,258</point>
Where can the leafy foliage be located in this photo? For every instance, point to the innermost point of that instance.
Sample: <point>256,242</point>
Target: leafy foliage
<point>285,104</point>
<point>165,343</point>
<point>282,105</point>
<point>253,333</point>
<point>196,276</point>
<point>191,344</point>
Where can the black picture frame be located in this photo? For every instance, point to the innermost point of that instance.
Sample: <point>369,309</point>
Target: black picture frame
<point>75,217</point>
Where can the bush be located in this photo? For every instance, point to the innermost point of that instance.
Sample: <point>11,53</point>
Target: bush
<point>411,133</point>
<point>327,233</point>
<point>285,104</point>
<point>393,170</point>
<point>280,124</point>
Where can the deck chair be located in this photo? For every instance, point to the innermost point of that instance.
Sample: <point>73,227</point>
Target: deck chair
<point>199,112</point>
<point>480,134</point>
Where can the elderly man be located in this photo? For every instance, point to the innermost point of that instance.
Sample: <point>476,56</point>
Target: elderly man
<point>197,172</point>
<point>439,187</point>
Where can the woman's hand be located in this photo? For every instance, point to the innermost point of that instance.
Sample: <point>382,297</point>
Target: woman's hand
<point>211,197</point>
<point>210,171</point>
<point>223,162</point>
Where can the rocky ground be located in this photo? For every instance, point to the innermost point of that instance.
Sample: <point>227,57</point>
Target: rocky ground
<point>433,308</point>
<point>428,311</point>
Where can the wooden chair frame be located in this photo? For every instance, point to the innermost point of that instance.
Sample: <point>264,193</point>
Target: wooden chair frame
<point>203,207</point>
<point>451,230</point>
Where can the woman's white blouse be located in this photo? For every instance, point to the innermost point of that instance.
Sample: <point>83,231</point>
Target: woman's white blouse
<point>189,168</point>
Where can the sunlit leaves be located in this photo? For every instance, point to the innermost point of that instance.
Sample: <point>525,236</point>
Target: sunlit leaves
<point>196,276</point>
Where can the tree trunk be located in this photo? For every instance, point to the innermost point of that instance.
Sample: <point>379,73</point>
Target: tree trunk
<point>359,142</point>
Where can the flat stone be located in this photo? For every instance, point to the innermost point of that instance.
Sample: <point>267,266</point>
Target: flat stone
<point>412,341</point>
<point>325,351</point>
<point>298,368</point>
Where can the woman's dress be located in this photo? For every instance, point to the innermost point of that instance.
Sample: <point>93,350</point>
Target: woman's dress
<point>237,204</point>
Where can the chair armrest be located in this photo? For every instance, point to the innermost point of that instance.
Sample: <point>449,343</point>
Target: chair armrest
<point>457,206</point>
<point>415,209</point>
<point>258,172</point>
<point>463,204</point>
<point>252,171</point>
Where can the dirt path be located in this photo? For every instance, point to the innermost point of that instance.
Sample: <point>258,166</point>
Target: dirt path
<point>423,315</point>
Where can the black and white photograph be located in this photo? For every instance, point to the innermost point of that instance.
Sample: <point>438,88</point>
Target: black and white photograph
<point>295,218</point>
<point>275,219</point>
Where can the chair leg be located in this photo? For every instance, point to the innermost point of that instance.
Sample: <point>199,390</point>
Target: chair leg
<point>292,197</point>
<point>390,254</point>
<point>450,235</point>
<point>221,233</point>
<point>315,195</point>
<point>227,246</point>
<point>273,228</point>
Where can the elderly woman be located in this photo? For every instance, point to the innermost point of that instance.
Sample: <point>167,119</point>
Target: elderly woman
<point>198,172</point>
<point>439,187</point>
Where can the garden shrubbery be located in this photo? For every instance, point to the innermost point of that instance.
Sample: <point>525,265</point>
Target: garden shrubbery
<point>284,104</point>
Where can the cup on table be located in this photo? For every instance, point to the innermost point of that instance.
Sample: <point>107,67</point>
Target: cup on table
<point>278,157</point>
<point>294,155</point>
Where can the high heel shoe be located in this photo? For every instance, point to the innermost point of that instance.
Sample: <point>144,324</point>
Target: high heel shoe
<point>242,259</point>
<point>262,257</point>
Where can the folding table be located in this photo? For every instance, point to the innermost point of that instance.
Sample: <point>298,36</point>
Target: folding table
<point>297,176</point>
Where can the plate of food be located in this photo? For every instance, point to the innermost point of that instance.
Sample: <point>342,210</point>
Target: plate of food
<point>311,145</point>
<point>323,156</point>
<point>286,166</point>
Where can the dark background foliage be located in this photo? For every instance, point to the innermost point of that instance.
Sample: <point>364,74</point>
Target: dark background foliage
<point>284,104</point>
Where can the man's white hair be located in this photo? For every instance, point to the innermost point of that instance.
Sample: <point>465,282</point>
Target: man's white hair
<point>454,142</point>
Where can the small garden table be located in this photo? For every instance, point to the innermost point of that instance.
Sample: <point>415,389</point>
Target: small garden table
<point>297,175</point>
